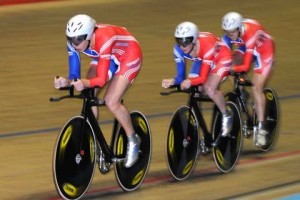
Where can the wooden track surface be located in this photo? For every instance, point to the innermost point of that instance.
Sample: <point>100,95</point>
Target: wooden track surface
<point>33,51</point>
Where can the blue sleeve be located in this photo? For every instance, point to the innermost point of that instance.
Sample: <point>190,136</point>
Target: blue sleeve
<point>195,69</point>
<point>242,48</point>
<point>74,63</point>
<point>227,41</point>
<point>112,67</point>
<point>180,65</point>
<point>236,45</point>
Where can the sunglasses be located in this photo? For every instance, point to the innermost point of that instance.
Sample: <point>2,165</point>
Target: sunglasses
<point>77,40</point>
<point>184,41</point>
<point>230,32</point>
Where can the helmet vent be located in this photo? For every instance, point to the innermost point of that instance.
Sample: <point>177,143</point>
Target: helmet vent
<point>232,22</point>
<point>186,30</point>
<point>80,25</point>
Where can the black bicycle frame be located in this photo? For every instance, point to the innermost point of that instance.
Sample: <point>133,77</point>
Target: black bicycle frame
<point>192,103</point>
<point>89,101</point>
<point>240,80</point>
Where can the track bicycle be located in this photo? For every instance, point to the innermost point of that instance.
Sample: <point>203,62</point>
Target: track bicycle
<point>81,144</point>
<point>188,136</point>
<point>249,120</point>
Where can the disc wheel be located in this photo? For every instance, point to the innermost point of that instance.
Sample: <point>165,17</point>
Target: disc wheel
<point>272,118</point>
<point>131,178</point>
<point>227,149</point>
<point>74,158</point>
<point>182,143</point>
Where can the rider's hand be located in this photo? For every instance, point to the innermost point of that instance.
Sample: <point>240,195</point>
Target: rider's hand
<point>186,84</point>
<point>78,85</point>
<point>60,82</point>
<point>166,83</point>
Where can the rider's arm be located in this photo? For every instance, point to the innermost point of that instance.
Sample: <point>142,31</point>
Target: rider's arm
<point>102,72</point>
<point>74,62</point>
<point>237,48</point>
<point>201,79</point>
<point>195,69</point>
<point>104,46</point>
<point>207,61</point>
<point>246,63</point>
<point>112,67</point>
<point>180,65</point>
<point>240,50</point>
<point>250,42</point>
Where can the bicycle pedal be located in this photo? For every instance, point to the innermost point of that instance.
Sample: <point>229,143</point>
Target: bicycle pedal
<point>118,160</point>
<point>214,144</point>
<point>205,151</point>
<point>203,147</point>
<point>231,136</point>
<point>248,133</point>
<point>104,167</point>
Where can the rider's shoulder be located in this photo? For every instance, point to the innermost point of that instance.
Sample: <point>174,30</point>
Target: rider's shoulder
<point>225,38</point>
<point>177,50</point>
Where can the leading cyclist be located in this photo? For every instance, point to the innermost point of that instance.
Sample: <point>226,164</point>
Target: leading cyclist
<point>117,59</point>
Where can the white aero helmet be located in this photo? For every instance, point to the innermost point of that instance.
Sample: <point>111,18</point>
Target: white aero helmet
<point>186,33</point>
<point>232,20</point>
<point>80,25</point>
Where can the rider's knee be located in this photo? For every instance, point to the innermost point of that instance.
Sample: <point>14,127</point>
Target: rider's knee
<point>210,91</point>
<point>257,89</point>
<point>112,104</point>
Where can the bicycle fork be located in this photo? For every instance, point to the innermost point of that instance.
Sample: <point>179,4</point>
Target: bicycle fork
<point>205,140</point>
<point>248,122</point>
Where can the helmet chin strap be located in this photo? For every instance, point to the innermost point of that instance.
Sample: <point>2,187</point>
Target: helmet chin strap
<point>192,48</point>
<point>88,45</point>
<point>91,38</point>
<point>241,30</point>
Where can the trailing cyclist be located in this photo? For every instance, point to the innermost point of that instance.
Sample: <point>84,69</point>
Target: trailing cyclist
<point>260,49</point>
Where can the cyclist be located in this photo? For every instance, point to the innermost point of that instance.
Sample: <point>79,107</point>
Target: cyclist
<point>116,58</point>
<point>211,62</point>
<point>238,49</point>
<point>260,49</point>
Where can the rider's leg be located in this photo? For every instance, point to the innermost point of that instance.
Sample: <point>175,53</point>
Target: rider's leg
<point>127,70</point>
<point>113,96</point>
<point>264,65</point>
<point>258,94</point>
<point>211,89</point>
<point>260,102</point>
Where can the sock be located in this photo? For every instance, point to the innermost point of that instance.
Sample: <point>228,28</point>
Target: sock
<point>132,138</point>
<point>226,113</point>
<point>261,125</point>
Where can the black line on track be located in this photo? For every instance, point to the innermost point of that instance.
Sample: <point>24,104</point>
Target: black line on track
<point>151,116</point>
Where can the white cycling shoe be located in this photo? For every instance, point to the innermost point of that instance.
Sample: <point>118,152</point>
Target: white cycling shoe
<point>132,154</point>
<point>227,121</point>
<point>260,139</point>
